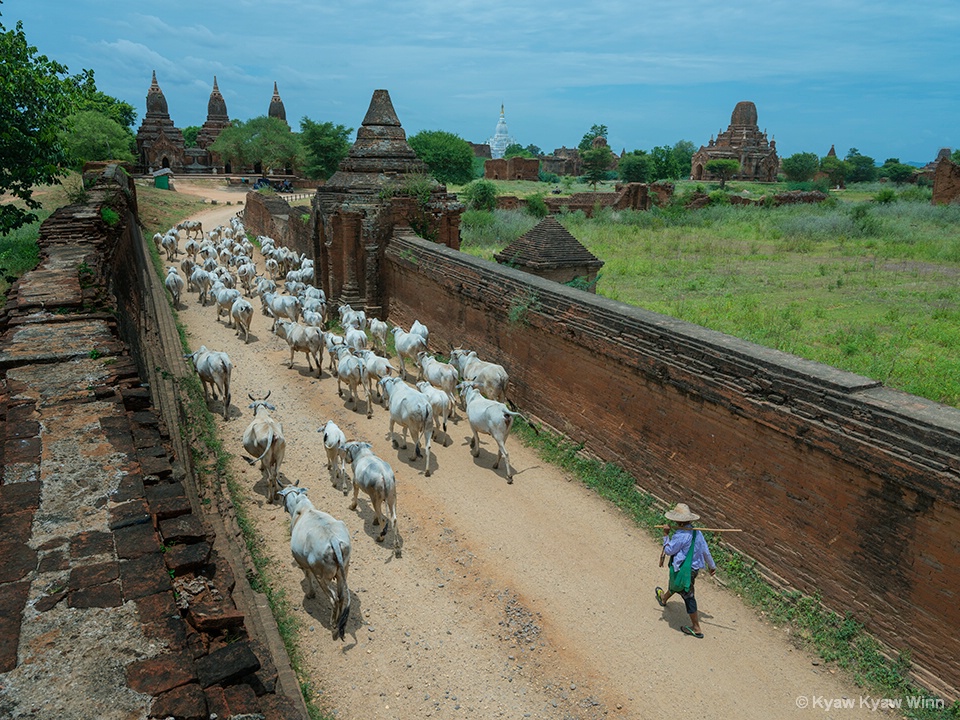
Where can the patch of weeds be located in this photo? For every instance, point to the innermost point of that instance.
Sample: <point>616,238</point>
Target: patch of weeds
<point>109,216</point>
<point>408,255</point>
<point>521,307</point>
<point>94,354</point>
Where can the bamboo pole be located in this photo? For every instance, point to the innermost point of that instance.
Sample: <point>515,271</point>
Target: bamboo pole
<point>670,527</point>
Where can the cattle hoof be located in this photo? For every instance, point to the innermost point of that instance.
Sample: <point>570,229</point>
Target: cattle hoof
<point>376,521</point>
<point>396,445</point>
<point>380,538</point>
<point>509,481</point>
<point>397,553</point>
<point>427,473</point>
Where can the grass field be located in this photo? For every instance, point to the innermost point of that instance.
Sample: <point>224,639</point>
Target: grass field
<point>873,288</point>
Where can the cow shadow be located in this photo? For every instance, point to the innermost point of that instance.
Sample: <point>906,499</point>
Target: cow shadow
<point>365,512</point>
<point>320,609</point>
<point>416,464</point>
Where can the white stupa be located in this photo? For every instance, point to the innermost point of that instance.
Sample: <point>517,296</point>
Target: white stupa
<point>501,139</point>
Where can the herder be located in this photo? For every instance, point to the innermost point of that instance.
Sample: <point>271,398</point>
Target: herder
<point>684,564</point>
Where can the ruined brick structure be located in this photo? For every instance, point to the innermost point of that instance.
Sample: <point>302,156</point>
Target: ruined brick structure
<point>513,168</point>
<point>845,489</point>
<point>744,142</point>
<point>217,120</point>
<point>564,161</point>
<point>548,250</point>
<point>276,109</point>
<point>946,183</point>
<point>381,185</point>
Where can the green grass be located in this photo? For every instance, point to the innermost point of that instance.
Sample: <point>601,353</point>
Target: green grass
<point>869,288</point>
<point>840,641</point>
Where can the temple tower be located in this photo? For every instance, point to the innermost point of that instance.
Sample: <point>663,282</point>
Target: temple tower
<point>381,185</point>
<point>276,109</point>
<point>159,142</point>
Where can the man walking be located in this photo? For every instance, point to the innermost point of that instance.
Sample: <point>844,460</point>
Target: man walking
<point>689,554</point>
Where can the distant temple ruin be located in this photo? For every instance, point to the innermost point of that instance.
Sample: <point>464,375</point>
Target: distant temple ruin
<point>160,144</point>
<point>744,142</point>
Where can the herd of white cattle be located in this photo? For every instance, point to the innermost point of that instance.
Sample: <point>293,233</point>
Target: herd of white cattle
<point>218,265</point>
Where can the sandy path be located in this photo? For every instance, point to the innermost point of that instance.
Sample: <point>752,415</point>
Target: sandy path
<point>526,600</point>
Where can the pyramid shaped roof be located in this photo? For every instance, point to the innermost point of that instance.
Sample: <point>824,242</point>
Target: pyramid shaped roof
<point>547,246</point>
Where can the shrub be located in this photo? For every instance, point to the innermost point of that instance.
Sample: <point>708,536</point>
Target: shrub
<point>719,197</point>
<point>548,177</point>
<point>481,195</point>
<point>885,196</point>
<point>110,216</point>
<point>537,207</point>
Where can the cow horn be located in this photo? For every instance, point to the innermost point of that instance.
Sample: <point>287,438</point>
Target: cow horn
<point>251,397</point>
<point>268,394</point>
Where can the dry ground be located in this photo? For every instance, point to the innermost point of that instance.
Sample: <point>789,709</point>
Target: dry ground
<point>527,600</point>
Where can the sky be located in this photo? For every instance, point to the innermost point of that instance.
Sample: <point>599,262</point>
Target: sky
<point>882,76</point>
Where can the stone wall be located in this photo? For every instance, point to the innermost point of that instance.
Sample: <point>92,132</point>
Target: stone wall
<point>946,183</point>
<point>514,168</point>
<point>109,543</point>
<point>843,487</point>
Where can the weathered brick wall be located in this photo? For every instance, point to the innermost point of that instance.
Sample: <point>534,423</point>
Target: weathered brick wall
<point>946,183</point>
<point>843,487</point>
<point>272,216</point>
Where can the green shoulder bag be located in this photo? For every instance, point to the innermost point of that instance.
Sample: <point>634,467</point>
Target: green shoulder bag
<point>680,579</point>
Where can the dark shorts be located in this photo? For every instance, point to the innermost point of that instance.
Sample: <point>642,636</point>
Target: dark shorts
<point>688,599</point>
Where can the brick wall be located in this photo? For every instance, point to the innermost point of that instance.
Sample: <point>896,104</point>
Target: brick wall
<point>946,183</point>
<point>844,487</point>
<point>272,216</point>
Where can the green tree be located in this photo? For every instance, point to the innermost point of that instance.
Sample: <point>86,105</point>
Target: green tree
<point>33,105</point>
<point>723,168</point>
<point>800,167</point>
<point>665,165</point>
<point>897,172</point>
<point>91,135</point>
<point>448,157</point>
<point>190,133</point>
<point>862,168</point>
<point>517,150</point>
<point>263,140</point>
<point>325,145</point>
<point>955,156</point>
<point>835,169</point>
<point>596,162</point>
<point>481,195</point>
<point>586,143</point>
<point>534,150</point>
<point>635,167</point>
<point>682,152</point>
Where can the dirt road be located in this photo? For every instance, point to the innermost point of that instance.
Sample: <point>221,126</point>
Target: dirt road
<point>527,600</point>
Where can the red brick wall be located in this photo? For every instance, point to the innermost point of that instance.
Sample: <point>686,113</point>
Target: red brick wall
<point>946,183</point>
<point>843,487</point>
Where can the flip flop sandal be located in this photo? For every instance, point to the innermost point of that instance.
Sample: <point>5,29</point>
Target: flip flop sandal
<point>687,630</point>
<point>659,593</point>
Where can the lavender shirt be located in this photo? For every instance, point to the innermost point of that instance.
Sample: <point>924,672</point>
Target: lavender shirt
<point>679,544</point>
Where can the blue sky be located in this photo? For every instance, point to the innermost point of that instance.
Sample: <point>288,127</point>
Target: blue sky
<point>882,76</point>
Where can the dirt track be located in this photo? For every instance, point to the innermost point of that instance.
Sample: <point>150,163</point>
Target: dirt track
<point>526,600</point>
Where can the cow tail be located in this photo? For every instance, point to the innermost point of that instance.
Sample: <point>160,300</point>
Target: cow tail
<point>343,592</point>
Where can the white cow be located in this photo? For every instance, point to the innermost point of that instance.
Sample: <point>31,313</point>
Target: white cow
<point>171,246</point>
<point>350,370</point>
<point>377,368</point>
<point>440,404</point>
<point>174,283</point>
<point>410,409</point>
<point>334,442</point>
<point>201,281</point>
<point>491,379</point>
<point>375,477</point>
<point>355,338</point>
<point>264,441</point>
<point>281,306</point>
<point>489,417</point>
<point>420,329</point>
<point>378,331</point>
<point>408,345</point>
<point>242,313</point>
<point>214,369</point>
<point>305,339</point>
<point>191,227</point>
<point>439,374</point>
<point>321,547</point>
<point>224,297</point>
